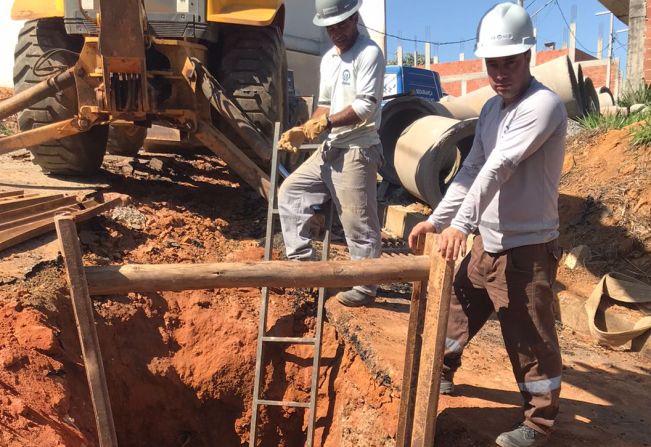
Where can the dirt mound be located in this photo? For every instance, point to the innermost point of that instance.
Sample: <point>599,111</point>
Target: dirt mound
<point>605,203</point>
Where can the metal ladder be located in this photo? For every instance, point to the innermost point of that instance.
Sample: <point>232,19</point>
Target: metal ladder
<point>263,338</point>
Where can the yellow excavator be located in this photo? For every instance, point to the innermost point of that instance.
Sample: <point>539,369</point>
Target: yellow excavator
<point>94,74</point>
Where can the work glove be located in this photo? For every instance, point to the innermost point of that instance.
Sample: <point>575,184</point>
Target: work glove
<point>315,127</point>
<point>291,140</point>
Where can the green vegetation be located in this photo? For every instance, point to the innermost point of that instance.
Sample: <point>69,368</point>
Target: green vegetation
<point>641,135</point>
<point>607,122</point>
<point>639,95</point>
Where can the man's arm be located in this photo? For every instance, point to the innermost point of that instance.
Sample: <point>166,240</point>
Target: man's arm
<point>525,135</point>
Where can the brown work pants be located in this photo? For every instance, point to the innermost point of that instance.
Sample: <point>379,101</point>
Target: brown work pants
<point>517,284</point>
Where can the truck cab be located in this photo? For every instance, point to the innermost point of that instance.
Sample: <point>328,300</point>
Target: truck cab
<point>401,81</point>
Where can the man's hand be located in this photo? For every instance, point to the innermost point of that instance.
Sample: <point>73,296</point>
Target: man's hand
<point>452,243</point>
<point>421,228</point>
<point>315,127</point>
<point>291,140</point>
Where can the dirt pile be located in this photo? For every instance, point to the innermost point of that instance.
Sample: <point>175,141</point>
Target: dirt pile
<point>605,203</point>
<point>180,366</point>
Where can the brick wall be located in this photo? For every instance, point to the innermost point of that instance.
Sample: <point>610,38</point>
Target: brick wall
<point>598,75</point>
<point>457,67</point>
<point>452,88</point>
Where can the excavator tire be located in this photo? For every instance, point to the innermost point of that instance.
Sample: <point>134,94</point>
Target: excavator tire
<point>77,155</point>
<point>126,140</point>
<point>252,70</point>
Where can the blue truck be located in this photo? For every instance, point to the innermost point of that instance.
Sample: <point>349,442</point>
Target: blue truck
<point>401,81</point>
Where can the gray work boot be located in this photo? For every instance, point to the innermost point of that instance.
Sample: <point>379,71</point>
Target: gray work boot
<point>521,436</point>
<point>355,298</point>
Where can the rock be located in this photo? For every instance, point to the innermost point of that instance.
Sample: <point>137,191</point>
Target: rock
<point>637,108</point>
<point>614,110</point>
<point>577,257</point>
<point>156,164</point>
<point>126,169</point>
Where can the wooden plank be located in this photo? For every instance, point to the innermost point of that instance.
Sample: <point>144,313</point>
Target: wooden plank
<point>9,238</point>
<point>36,217</point>
<point>10,205</point>
<point>37,209</point>
<point>12,199</point>
<point>439,291</point>
<point>90,347</point>
<point>234,158</point>
<point>412,353</point>
<point>107,280</point>
<point>11,193</point>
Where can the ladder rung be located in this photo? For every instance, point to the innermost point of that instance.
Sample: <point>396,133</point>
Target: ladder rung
<point>284,403</point>
<point>292,340</point>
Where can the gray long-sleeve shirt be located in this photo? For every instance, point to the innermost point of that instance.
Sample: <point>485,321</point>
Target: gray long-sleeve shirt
<point>508,184</point>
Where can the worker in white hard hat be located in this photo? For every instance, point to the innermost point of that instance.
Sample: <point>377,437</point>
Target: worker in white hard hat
<point>507,191</point>
<point>345,167</point>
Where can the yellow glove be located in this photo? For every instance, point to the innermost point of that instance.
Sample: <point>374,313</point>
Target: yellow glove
<point>315,127</point>
<point>291,140</point>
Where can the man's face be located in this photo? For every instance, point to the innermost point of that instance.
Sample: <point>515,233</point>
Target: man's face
<point>509,76</point>
<point>344,34</point>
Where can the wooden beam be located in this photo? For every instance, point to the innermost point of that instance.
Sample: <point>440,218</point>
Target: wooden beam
<point>36,217</point>
<point>108,280</point>
<point>234,158</point>
<point>13,204</point>
<point>26,211</point>
<point>13,236</point>
<point>412,353</point>
<point>90,348</point>
<point>439,291</point>
<point>11,193</point>
<point>39,135</point>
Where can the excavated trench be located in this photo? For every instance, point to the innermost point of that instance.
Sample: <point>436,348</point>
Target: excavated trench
<point>180,370</point>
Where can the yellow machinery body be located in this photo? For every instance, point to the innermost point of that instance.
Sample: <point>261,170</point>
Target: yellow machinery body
<point>241,12</point>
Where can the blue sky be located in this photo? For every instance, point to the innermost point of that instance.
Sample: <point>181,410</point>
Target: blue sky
<point>445,21</point>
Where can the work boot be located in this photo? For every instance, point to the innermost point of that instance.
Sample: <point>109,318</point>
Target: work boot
<point>355,298</point>
<point>521,436</point>
<point>447,386</point>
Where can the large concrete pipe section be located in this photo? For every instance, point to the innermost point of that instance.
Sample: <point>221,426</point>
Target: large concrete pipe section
<point>397,115</point>
<point>582,91</point>
<point>606,98</point>
<point>591,98</point>
<point>557,74</point>
<point>429,153</point>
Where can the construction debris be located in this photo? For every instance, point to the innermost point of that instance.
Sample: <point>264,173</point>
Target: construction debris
<point>26,215</point>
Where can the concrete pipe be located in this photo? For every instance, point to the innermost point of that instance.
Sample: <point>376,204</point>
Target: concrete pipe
<point>606,98</point>
<point>557,74</point>
<point>592,98</point>
<point>397,115</point>
<point>428,155</point>
<point>582,91</point>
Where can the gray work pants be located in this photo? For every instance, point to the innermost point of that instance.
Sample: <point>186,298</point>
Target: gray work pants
<point>349,178</point>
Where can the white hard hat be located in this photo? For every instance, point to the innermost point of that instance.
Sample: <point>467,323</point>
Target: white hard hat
<point>505,30</point>
<point>331,12</point>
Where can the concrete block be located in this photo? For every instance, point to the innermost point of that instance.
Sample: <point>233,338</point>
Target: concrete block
<point>399,220</point>
<point>637,108</point>
<point>577,257</point>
